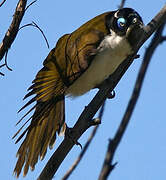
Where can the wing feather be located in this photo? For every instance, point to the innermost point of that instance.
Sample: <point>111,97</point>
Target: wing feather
<point>65,63</point>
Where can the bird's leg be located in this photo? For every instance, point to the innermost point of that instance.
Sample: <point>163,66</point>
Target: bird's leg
<point>136,56</point>
<point>69,135</point>
<point>110,95</point>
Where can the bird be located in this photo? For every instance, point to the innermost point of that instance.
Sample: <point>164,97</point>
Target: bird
<point>80,61</point>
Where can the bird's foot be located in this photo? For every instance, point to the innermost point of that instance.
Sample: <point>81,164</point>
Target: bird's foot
<point>111,95</point>
<point>136,56</point>
<point>69,133</point>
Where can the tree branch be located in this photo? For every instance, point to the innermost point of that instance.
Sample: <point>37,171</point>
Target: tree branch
<point>75,164</point>
<point>122,4</point>
<point>13,29</point>
<point>108,165</point>
<point>163,38</point>
<point>85,118</point>
<point>33,24</point>
<point>30,4</point>
<point>2,3</point>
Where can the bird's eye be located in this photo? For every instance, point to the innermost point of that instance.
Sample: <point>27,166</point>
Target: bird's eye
<point>121,23</point>
<point>134,20</point>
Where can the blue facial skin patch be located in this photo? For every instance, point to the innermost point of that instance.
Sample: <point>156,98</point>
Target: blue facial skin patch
<point>121,22</point>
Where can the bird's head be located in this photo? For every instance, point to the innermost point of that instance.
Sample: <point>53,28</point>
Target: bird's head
<point>125,23</point>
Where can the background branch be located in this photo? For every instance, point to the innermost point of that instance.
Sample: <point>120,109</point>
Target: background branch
<point>122,4</point>
<point>84,120</point>
<point>30,4</point>
<point>2,3</point>
<point>33,24</point>
<point>13,29</point>
<point>108,165</point>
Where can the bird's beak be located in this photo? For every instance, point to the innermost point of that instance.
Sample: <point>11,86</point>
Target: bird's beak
<point>136,24</point>
<point>133,32</point>
<point>137,21</point>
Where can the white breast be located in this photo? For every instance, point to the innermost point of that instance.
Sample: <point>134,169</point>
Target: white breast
<point>112,51</point>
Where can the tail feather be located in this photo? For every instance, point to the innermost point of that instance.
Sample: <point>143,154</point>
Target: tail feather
<point>47,119</point>
<point>48,89</point>
<point>40,134</point>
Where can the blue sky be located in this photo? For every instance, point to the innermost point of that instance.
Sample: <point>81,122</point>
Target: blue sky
<point>141,154</point>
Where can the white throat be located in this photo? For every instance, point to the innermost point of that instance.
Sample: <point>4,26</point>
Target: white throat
<point>112,51</point>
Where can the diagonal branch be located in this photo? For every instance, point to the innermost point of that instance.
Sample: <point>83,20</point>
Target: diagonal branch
<point>79,158</point>
<point>13,29</point>
<point>75,164</point>
<point>84,120</point>
<point>2,3</point>
<point>108,165</point>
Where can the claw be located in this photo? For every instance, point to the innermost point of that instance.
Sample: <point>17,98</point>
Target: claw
<point>112,95</point>
<point>78,144</point>
<point>68,134</point>
<point>136,56</point>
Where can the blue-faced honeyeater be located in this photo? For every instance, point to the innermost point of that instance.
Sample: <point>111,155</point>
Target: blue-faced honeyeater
<point>80,61</point>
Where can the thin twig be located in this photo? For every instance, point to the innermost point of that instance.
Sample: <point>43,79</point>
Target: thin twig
<point>83,122</point>
<point>2,65</point>
<point>2,74</point>
<point>30,4</point>
<point>42,33</point>
<point>122,4</point>
<point>6,64</point>
<point>2,3</point>
<point>75,164</point>
<point>35,25</point>
<point>29,24</point>
<point>108,165</point>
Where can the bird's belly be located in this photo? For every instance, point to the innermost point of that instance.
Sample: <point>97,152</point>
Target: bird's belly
<point>104,64</point>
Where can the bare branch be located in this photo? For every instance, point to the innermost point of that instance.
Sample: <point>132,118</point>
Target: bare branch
<point>1,72</point>
<point>2,65</point>
<point>30,4</point>
<point>2,3</point>
<point>13,29</point>
<point>163,39</point>
<point>6,64</point>
<point>75,164</point>
<point>35,25</point>
<point>84,120</point>
<point>108,165</point>
<point>122,4</point>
